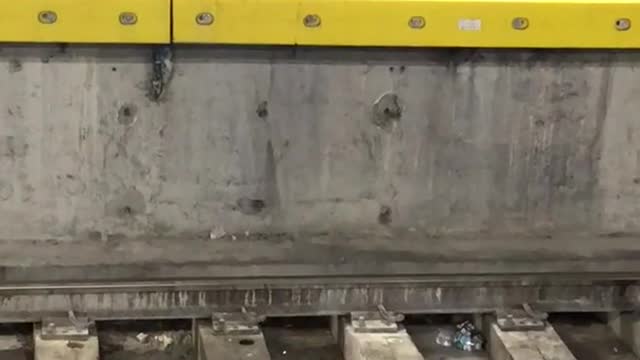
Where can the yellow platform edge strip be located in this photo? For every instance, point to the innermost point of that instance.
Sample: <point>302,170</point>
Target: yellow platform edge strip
<point>416,23</point>
<point>455,23</point>
<point>86,21</point>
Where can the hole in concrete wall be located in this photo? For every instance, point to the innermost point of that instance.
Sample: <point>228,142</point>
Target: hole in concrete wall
<point>250,206</point>
<point>15,66</point>
<point>127,114</point>
<point>94,235</point>
<point>246,342</point>
<point>262,111</point>
<point>127,211</point>
<point>386,110</point>
<point>127,204</point>
<point>384,217</point>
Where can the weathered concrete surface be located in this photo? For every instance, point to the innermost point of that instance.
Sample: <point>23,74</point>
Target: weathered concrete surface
<point>379,346</point>
<point>59,349</point>
<point>527,345</point>
<point>232,347</point>
<point>398,253</point>
<point>261,140</point>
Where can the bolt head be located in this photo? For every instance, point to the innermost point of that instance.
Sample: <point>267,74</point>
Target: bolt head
<point>623,24</point>
<point>417,22</point>
<point>205,18</point>
<point>128,18</point>
<point>47,17</point>
<point>311,21</point>
<point>520,23</point>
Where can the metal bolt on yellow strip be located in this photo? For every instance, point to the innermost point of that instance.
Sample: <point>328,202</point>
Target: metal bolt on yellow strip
<point>455,23</point>
<point>86,21</point>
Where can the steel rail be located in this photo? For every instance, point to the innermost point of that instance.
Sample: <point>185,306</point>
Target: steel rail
<point>293,296</point>
<point>524,279</point>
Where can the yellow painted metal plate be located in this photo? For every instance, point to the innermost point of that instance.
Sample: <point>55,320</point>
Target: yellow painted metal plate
<point>455,23</point>
<point>86,21</point>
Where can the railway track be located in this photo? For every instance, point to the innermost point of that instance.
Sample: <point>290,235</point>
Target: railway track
<point>286,318</point>
<point>585,336</point>
<point>313,296</point>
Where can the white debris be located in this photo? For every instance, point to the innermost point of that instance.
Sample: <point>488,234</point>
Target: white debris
<point>247,233</point>
<point>142,337</point>
<point>217,233</point>
<point>445,337</point>
<point>284,352</point>
<point>233,237</point>
<point>163,340</point>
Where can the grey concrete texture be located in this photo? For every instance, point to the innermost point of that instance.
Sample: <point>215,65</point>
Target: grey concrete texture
<point>63,349</point>
<point>303,140</point>
<point>255,256</point>
<point>527,345</point>
<point>379,346</point>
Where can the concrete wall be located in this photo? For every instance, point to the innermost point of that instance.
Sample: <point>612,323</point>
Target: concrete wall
<point>283,139</point>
